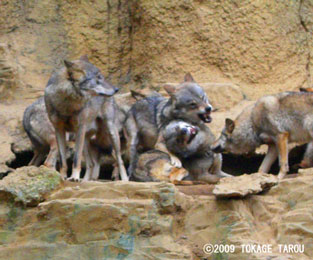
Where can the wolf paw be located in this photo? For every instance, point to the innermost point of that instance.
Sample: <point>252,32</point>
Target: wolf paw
<point>176,162</point>
<point>224,174</point>
<point>74,179</point>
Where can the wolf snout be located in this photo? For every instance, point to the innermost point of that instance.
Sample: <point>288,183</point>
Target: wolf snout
<point>208,109</point>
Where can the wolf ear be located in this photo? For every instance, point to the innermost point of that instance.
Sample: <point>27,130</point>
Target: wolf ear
<point>137,94</point>
<point>69,64</point>
<point>230,125</point>
<point>188,78</point>
<point>170,89</point>
<point>73,71</point>
<point>306,89</point>
<point>84,58</point>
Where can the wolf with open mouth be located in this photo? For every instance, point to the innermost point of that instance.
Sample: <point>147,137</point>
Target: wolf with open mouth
<point>191,144</point>
<point>147,117</point>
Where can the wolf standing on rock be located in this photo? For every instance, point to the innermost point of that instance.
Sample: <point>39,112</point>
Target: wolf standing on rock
<point>74,96</point>
<point>274,120</point>
<point>149,116</point>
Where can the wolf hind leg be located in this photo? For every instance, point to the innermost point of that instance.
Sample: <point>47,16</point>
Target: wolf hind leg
<point>37,158</point>
<point>60,136</point>
<point>132,143</point>
<point>282,147</point>
<point>216,167</point>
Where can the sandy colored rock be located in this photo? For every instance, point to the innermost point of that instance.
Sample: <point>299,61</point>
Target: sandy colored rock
<point>244,185</point>
<point>223,96</point>
<point>259,46</point>
<point>29,185</point>
<point>12,135</point>
<point>97,220</point>
<point>8,74</point>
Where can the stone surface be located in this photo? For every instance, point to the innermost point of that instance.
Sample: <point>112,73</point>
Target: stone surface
<point>97,221</point>
<point>260,46</point>
<point>29,185</point>
<point>8,74</point>
<point>244,185</point>
<point>127,220</point>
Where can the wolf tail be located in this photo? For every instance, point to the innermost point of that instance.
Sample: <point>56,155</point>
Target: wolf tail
<point>34,138</point>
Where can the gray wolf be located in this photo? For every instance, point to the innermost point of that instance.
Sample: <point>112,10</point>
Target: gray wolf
<point>99,142</point>
<point>191,144</point>
<point>274,120</point>
<point>155,165</point>
<point>148,116</point>
<point>307,161</point>
<point>41,134</point>
<point>74,96</point>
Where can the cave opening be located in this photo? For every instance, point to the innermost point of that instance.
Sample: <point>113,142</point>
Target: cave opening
<point>241,164</point>
<point>23,159</point>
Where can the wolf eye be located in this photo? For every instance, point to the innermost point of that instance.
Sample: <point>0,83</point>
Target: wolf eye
<point>84,81</point>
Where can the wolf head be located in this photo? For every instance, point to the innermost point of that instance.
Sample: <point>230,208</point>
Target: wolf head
<point>189,101</point>
<point>185,132</point>
<point>87,78</point>
<point>182,133</point>
<point>237,137</point>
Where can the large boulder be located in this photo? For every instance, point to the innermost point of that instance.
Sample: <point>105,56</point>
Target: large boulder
<point>29,185</point>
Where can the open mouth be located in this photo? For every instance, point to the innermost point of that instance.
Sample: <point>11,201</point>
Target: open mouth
<point>192,133</point>
<point>205,117</point>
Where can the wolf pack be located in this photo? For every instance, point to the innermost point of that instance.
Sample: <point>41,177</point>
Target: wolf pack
<point>159,138</point>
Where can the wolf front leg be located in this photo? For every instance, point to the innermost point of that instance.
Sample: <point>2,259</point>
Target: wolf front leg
<point>61,141</point>
<point>89,161</point>
<point>115,140</point>
<point>282,147</point>
<point>94,165</point>
<point>269,159</point>
<point>79,145</point>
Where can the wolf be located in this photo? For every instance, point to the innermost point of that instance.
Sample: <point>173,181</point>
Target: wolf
<point>41,134</point>
<point>74,96</point>
<point>274,120</point>
<point>148,116</point>
<point>98,141</point>
<point>307,160</point>
<point>155,166</point>
<point>191,144</point>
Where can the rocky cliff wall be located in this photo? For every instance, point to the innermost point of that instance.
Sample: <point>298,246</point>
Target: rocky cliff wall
<point>261,46</point>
